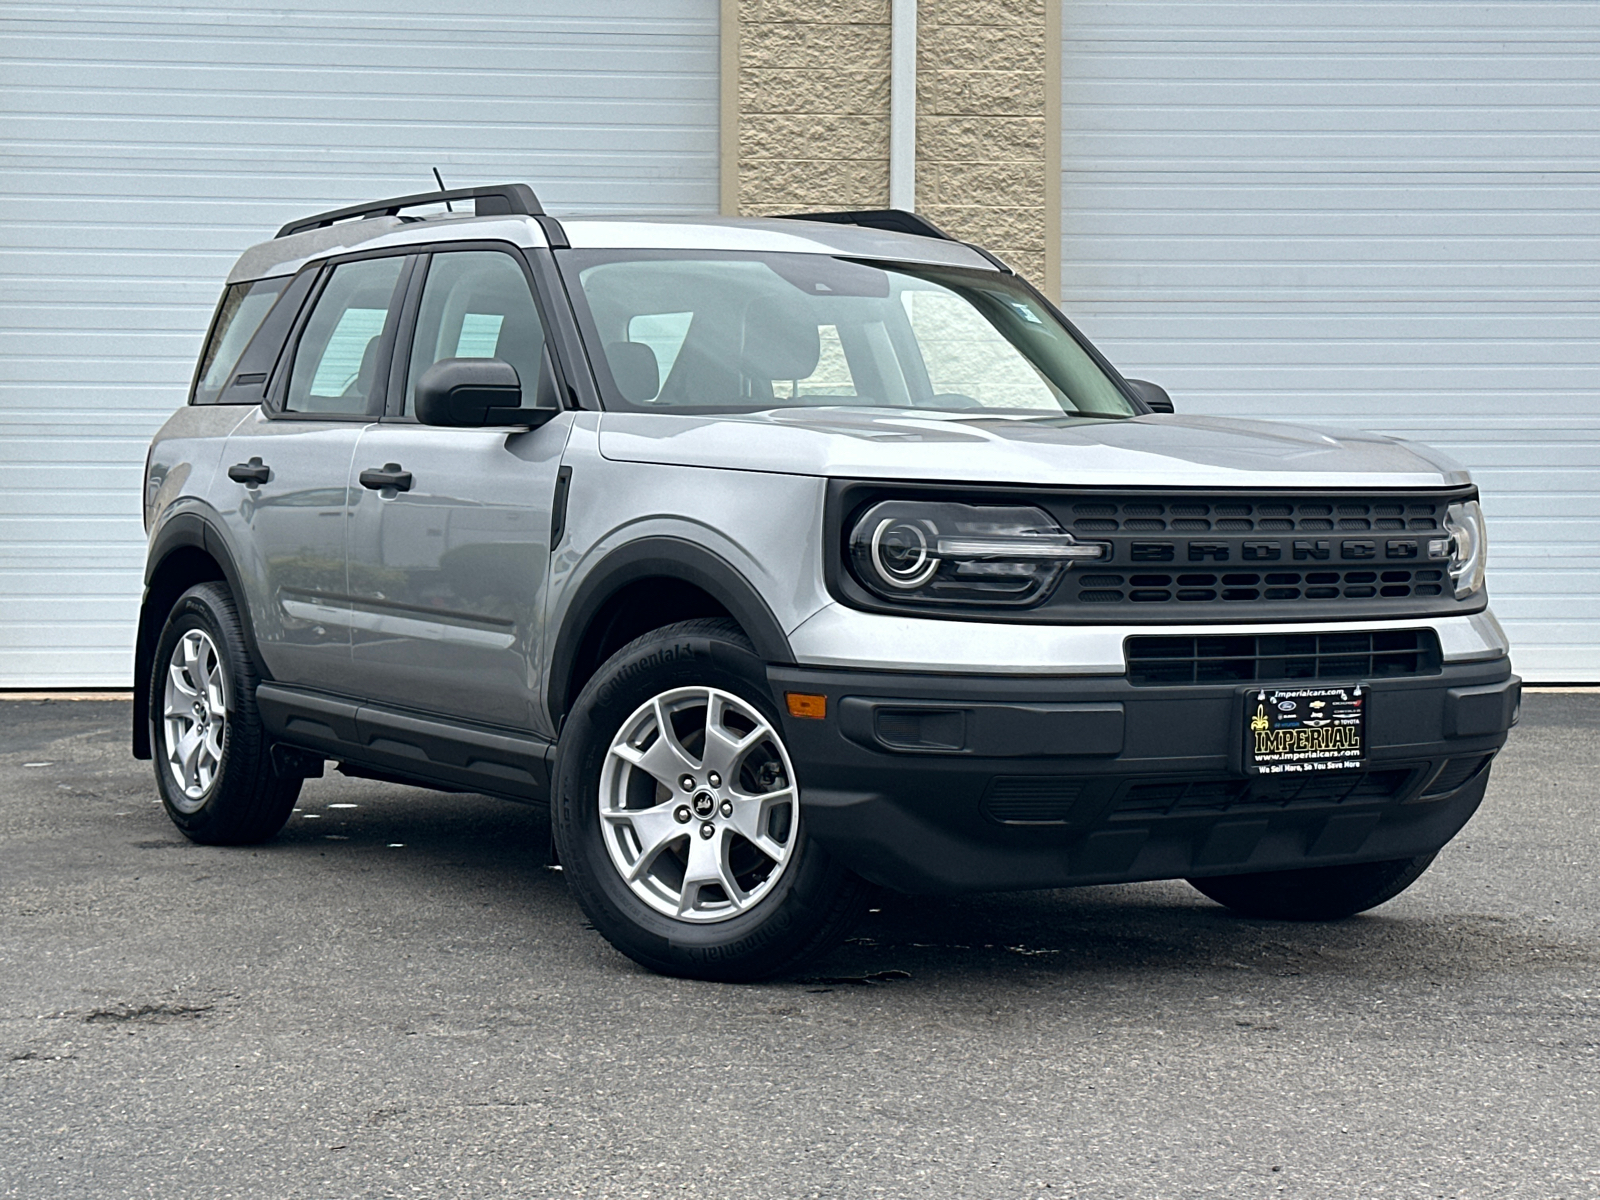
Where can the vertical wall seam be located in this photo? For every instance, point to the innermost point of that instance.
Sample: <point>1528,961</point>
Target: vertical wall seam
<point>1054,104</point>
<point>728,110</point>
<point>903,105</point>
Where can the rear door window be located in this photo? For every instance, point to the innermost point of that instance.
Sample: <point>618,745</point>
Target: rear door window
<point>336,364</point>
<point>239,314</point>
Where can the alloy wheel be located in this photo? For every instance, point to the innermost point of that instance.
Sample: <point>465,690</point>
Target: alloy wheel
<point>698,804</point>
<point>195,715</point>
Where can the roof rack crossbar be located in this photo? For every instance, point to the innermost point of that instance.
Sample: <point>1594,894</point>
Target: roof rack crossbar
<point>500,199</point>
<point>895,220</point>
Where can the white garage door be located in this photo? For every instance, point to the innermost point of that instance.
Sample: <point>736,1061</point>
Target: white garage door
<point>144,146</point>
<point>1378,215</point>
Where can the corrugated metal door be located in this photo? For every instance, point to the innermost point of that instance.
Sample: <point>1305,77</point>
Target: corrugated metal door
<point>1379,215</point>
<point>145,146</point>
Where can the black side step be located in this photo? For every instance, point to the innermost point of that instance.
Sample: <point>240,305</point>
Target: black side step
<point>424,750</point>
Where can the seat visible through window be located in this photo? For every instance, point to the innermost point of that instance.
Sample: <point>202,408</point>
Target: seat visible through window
<point>477,304</point>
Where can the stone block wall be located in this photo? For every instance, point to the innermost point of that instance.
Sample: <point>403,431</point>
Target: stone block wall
<point>812,105</point>
<point>809,111</point>
<point>982,127</point>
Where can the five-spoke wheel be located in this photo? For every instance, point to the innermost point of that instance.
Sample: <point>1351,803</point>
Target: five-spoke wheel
<point>195,713</point>
<point>698,804</point>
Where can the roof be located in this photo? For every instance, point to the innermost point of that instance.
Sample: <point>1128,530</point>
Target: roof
<point>286,254</point>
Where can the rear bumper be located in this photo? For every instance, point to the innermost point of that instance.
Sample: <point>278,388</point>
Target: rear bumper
<point>935,783</point>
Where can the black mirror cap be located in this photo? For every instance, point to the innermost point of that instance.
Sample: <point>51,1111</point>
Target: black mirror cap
<point>472,393</point>
<point>1153,395</point>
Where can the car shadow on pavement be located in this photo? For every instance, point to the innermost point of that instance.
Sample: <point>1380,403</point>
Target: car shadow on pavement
<point>1135,928</point>
<point>471,843</point>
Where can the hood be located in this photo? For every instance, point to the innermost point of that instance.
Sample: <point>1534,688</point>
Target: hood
<point>1155,450</point>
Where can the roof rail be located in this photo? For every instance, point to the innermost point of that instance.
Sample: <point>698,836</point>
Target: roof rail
<point>895,220</point>
<point>501,199</point>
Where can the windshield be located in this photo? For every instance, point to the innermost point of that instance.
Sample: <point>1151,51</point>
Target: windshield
<point>702,332</point>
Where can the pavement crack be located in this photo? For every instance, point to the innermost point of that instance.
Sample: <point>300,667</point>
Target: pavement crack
<point>153,1013</point>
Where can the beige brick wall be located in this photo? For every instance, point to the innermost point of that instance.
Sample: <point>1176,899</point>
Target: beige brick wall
<point>812,105</point>
<point>981,125</point>
<point>806,115</point>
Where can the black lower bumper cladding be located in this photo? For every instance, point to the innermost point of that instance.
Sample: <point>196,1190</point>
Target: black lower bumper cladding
<point>938,783</point>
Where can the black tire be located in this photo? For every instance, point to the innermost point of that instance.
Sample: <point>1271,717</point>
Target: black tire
<point>810,907</point>
<point>246,801</point>
<point>1315,893</point>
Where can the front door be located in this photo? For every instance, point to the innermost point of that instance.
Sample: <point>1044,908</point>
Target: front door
<point>450,529</point>
<point>284,486</point>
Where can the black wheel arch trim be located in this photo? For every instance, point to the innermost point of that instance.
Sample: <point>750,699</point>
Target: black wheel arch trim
<point>666,557</point>
<point>185,530</point>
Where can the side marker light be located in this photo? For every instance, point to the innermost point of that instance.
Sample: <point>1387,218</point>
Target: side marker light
<point>812,708</point>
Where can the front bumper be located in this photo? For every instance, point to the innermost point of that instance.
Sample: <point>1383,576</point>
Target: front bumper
<point>929,782</point>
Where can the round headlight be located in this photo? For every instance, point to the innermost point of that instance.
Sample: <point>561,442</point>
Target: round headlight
<point>901,553</point>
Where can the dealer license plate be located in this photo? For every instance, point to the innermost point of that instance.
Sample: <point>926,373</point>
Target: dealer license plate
<point>1291,730</point>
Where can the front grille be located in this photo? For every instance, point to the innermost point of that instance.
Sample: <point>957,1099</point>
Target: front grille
<point>1245,658</point>
<point>1192,557</point>
<point>1208,797</point>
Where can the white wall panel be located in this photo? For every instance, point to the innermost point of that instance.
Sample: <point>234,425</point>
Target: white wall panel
<point>145,145</point>
<point>1374,215</point>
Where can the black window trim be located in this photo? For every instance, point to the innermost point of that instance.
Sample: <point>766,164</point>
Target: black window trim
<point>278,383</point>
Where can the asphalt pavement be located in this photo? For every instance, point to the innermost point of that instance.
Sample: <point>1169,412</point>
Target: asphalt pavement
<point>397,997</point>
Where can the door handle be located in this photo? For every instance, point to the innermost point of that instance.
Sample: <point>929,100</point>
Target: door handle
<point>254,471</point>
<point>387,476</point>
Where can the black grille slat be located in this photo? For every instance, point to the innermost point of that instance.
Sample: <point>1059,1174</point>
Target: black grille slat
<point>1031,799</point>
<point>1157,661</point>
<point>1286,515</point>
<point>1356,583</point>
<point>1456,773</point>
<point>1213,796</point>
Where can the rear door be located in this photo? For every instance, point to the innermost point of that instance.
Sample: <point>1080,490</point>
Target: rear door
<point>448,565</point>
<point>284,493</point>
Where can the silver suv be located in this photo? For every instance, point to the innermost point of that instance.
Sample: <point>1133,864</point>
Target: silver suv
<point>787,558</point>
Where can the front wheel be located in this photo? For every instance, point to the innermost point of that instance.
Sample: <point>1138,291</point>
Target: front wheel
<point>1315,893</point>
<point>678,819</point>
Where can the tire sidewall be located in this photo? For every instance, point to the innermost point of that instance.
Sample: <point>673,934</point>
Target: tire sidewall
<point>636,674</point>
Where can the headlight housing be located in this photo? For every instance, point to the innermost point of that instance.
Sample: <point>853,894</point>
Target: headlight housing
<point>934,552</point>
<point>1469,546</point>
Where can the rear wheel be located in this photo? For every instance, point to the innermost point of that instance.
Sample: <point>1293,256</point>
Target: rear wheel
<point>210,749</point>
<point>1315,893</point>
<point>678,816</point>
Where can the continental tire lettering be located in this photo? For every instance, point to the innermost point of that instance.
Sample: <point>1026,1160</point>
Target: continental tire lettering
<point>1301,741</point>
<point>678,652</point>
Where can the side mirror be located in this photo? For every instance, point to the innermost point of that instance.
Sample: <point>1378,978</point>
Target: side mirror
<point>1153,394</point>
<point>471,393</point>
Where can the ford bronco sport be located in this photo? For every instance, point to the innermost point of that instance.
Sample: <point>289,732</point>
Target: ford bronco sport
<point>785,558</point>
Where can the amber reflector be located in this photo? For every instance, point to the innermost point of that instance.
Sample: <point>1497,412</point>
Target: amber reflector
<point>811,707</point>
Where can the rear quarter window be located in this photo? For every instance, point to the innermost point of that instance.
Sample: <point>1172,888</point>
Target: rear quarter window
<point>240,312</point>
